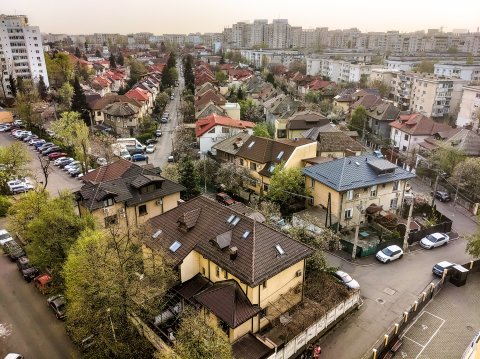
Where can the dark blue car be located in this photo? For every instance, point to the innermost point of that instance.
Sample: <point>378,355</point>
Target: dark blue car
<point>139,157</point>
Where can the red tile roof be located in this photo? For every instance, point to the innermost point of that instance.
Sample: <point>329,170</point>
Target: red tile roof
<point>417,124</point>
<point>138,94</point>
<point>319,84</point>
<point>203,125</point>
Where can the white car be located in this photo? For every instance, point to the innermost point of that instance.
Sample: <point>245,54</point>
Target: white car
<point>5,237</point>
<point>434,240</point>
<point>389,254</point>
<point>102,161</point>
<point>13,356</point>
<point>5,127</point>
<point>21,188</point>
<point>346,279</point>
<point>150,148</point>
<point>71,165</point>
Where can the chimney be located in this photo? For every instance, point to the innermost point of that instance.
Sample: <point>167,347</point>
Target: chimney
<point>233,253</point>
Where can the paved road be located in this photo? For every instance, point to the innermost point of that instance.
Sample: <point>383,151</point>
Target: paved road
<point>407,278</point>
<point>27,326</point>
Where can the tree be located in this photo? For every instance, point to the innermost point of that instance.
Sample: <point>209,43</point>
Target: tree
<point>113,62</point>
<point>188,178</point>
<point>261,130</point>
<point>312,96</point>
<point>381,87</point>
<point>65,94</point>
<point>270,78</point>
<point>45,168</point>
<point>231,177</point>
<point>326,106</point>
<point>200,337</point>
<point>187,110</point>
<point>425,66</point>
<point>446,158</point>
<point>137,70</point>
<point>59,68</point>
<point>106,282</point>
<point>221,77</point>
<point>206,170</point>
<point>73,131</point>
<point>161,102</point>
<point>249,111</point>
<point>42,88</point>
<point>171,172</point>
<point>79,101</point>
<point>78,54</point>
<point>298,66</point>
<point>287,188</point>
<point>26,210</point>
<point>467,173</point>
<point>98,53</point>
<point>13,85</point>
<point>358,121</point>
<point>120,59</point>
<point>14,160</point>
<point>473,244</point>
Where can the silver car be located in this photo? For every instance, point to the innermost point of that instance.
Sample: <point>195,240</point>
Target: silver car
<point>346,279</point>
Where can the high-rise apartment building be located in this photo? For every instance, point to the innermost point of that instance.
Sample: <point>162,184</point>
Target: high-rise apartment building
<point>21,52</point>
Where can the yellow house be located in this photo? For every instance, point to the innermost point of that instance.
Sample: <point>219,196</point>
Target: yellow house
<point>125,193</point>
<point>260,155</point>
<point>352,186</point>
<point>241,271</point>
<point>302,121</point>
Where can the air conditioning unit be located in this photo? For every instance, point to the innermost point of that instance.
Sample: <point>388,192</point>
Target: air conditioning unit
<point>158,202</point>
<point>106,211</point>
<point>298,273</point>
<point>357,195</point>
<point>121,212</point>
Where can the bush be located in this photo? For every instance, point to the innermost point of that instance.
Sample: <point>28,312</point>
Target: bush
<point>5,204</point>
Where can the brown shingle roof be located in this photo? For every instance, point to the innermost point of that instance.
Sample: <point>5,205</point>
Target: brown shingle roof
<point>257,258</point>
<point>417,124</point>
<point>249,347</point>
<point>337,142</point>
<point>106,100</point>
<point>305,120</point>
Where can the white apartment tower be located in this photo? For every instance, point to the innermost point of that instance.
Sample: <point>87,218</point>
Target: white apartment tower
<point>258,33</point>
<point>21,52</point>
<point>279,34</point>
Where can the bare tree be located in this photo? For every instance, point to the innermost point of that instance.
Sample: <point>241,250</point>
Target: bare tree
<point>45,167</point>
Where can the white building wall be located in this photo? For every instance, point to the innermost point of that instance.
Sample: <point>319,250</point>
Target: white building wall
<point>207,140</point>
<point>469,107</point>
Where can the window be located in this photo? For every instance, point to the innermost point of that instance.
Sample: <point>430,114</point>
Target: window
<point>225,274</point>
<point>406,137</point>
<point>175,245</point>
<point>108,202</point>
<point>264,284</point>
<point>241,161</point>
<point>225,130</point>
<point>217,271</point>
<point>393,203</point>
<point>253,166</point>
<point>265,187</point>
<point>99,113</point>
<point>111,220</point>
<point>348,213</point>
<point>263,313</point>
<point>404,148</point>
<point>373,191</point>
<point>350,195</point>
<point>142,210</point>
<point>212,130</point>
<point>203,270</point>
<point>396,132</point>
<point>312,183</point>
<point>395,185</point>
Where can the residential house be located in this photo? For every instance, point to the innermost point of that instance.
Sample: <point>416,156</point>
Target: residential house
<point>143,97</point>
<point>215,128</point>
<point>332,142</point>
<point>210,108</point>
<point>126,194</point>
<point>409,130</point>
<point>344,99</point>
<point>234,267</point>
<point>232,109</point>
<point>260,155</point>
<point>302,121</point>
<point>280,107</point>
<point>96,105</point>
<point>347,186</point>
<point>379,118</point>
<point>123,117</point>
<point>464,140</point>
<point>469,114</point>
<point>226,150</point>
<point>200,90</point>
<point>401,89</point>
<point>208,96</point>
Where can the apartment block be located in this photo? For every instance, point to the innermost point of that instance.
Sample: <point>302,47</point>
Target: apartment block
<point>469,114</point>
<point>459,69</point>
<point>338,70</point>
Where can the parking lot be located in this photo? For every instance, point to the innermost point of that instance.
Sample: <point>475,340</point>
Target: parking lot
<point>447,324</point>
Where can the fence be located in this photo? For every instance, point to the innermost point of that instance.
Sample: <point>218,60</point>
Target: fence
<point>386,342</point>
<point>297,345</point>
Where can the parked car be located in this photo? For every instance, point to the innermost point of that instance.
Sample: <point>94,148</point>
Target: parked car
<point>43,283</point>
<point>151,140</point>
<point>58,304</point>
<point>44,146</point>
<point>150,148</point>
<point>20,186</point>
<point>441,266</point>
<point>158,133</point>
<point>38,141</point>
<point>172,97</point>
<point>62,162</point>
<point>55,155</point>
<point>13,250</point>
<point>135,151</point>
<point>389,254</point>
<point>139,157</point>
<point>102,161</point>
<point>163,120</point>
<point>71,165</point>
<point>6,127</point>
<point>29,138</point>
<point>345,278</point>
<point>224,198</point>
<point>378,154</point>
<point>171,158</point>
<point>51,149</point>
<point>5,237</point>
<point>50,133</point>
<point>75,172</point>
<point>443,196</point>
<point>434,240</point>
<point>28,271</point>
<point>13,356</point>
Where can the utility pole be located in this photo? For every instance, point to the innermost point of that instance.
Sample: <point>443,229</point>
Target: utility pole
<point>435,190</point>
<point>357,230</point>
<point>407,230</point>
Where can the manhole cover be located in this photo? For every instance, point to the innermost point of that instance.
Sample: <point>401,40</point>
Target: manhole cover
<point>380,300</point>
<point>389,291</point>
<point>469,327</point>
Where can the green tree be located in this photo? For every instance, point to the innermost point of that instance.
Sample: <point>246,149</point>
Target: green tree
<point>287,188</point>
<point>59,68</point>
<point>26,210</point>
<point>381,87</point>
<point>232,177</point>
<point>161,102</point>
<point>200,337</point>
<point>79,101</point>
<point>206,169</point>
<point>312,96</point>
<point>467,173</point>
<point>65,94</point>
<point>5,205</point>
<point>261,130</point>
<point>270,78</point>
<point>137,70</point>
<point>113,62</point>
<point>42,88</point>
<point>173,74</point>
<point>98,53</point>
<point>426,66</point>
<point>120,59</point>
<point>78,53</point>
<point>326,106</point>
<point>249,111</point>
<point>13,85</point>
<point>73,131</point>
<point>188,111</point>
<point>359,121</point>
<point>171,172</point>
<point>14,160</point>
<point>188,178</point>
<point>473,244</point>
<point>221,77</point>
<point>106,282</point>
<point>446,158</point>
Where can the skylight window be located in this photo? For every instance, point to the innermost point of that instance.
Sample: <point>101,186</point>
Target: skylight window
<point>175,245</point>
<point>280,155</point>
<point>245,234</point>
<point>235,221</point>
<point>251,145</point>
<point>230,219</point>
<point>280,251</point>
<point>157,233</point>
<point>271,169</point>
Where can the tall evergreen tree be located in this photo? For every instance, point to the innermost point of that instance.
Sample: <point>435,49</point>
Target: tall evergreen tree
<point>113,62</point>
<point>42,88</point>
<point>188,178</point>
<point>13,85</point>
<point>77,52</point>
<point>79,101</point>
<point>120,59</point>
<point>98,53</point>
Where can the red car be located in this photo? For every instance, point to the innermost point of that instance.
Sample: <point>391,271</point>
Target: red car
<point>224,198</point>
<point>55,155</point>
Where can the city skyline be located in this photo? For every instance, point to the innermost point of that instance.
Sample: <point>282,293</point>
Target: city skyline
<point>88,17</point>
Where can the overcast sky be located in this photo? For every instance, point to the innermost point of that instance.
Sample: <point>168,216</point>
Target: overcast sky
<point>185,16</point>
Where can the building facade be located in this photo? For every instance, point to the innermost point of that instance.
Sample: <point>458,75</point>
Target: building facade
<point>469,114</point>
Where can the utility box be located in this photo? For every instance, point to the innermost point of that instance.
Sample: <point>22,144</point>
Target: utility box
<point>459,275</point>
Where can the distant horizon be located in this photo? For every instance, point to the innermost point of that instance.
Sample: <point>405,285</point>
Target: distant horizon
<point>189,16</point>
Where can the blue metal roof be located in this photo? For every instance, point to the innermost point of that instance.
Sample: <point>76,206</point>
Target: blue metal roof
<point>348,173</point>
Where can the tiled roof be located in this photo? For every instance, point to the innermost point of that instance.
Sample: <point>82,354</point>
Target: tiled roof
<point>462,139</point>
<point>228,302</point>
<point>256,259</point>
<point>99,104</point>
<point>249,347</point>
<point>138,94</point>
<point>208,109</point>
<point>368,101</point>
<point>384,111</point>
<point>203,125</point>
<point>209,96</point>
<point>264,150</point>
<point>337,142</point>
<point>348,173</point>
<point>419,125</point>
<point>121,109</point>
<point>305,120</point>
<point>232,144</point>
